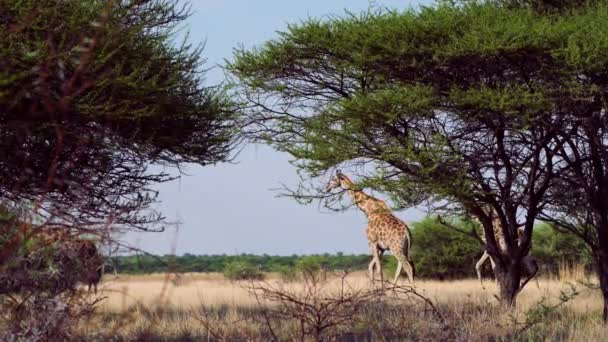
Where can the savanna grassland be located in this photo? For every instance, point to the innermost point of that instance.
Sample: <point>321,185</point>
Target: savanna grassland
<point>196,306</point>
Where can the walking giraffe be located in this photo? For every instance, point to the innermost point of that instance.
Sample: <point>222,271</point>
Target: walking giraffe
<point>384,230</point>
<point>528,264</point>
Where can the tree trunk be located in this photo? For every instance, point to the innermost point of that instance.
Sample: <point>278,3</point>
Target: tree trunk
<point>509,279</point>
<point>601,252</point>
<point>602,270</point>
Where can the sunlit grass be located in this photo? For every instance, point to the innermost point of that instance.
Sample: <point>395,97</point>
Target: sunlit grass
<point>172,307</point>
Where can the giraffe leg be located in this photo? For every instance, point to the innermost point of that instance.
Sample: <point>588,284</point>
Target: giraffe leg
<point>379,264</point>
<point>398,271</point>
<point>409,269</point>
<point>375,261</point>
<point>530,267</point>
<point>404,262</point>
<point>534,270</point>
<point>494,270</point>
<point>370,268</point>
<point>479,264</point>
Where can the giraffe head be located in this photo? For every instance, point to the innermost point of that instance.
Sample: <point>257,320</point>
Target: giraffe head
<point>338,180</point>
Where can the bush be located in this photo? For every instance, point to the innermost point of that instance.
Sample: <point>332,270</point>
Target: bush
<point>312,266</point>
<point>287,273</point>
<point>437,252</point>
<point>40,268</point>
<point>443,253</point>
<point>240,270</point>
<point>552,248</point>
<point>39,259</point>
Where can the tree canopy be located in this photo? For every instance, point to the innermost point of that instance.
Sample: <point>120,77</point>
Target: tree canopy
<point>91,94</point>
<point>95,97</point>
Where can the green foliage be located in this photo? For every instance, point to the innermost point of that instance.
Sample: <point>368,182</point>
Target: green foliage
<point>438,252</point>
<point>464,103</point>
<point>443,253</point>
<point>380,87</point>
<point>552,248</point>
<point>97,90</point>
<point>312,264</point>
<point>139,264</point>
<point>543,309</point>
<point>240,270</point>
<point>313,267</point>
<point>287,273</point>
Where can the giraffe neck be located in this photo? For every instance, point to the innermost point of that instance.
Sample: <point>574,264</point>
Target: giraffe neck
<point>368,204</point>
<point>498,236</point>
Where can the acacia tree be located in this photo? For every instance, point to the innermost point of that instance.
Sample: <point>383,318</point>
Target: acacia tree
<point>457,103</point>
<point>91,94</point>
<point>578,203</point>
<point>583,212</point>
<point>94,95</point>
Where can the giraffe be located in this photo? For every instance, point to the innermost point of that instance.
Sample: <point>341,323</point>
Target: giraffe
<point>384,230</point>
<point>529,265</point>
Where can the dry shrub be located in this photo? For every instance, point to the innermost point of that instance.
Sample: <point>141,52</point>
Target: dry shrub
<point>47,260</point>
<point>320,310</point>
<point>38,281</point>
<point>226,324</point>
<point>44,316</point>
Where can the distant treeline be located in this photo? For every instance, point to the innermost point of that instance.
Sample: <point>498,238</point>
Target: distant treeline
<point>138,264</point>
<point>437,251</point>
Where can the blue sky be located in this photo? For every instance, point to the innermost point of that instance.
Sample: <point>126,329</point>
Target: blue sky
<point>230,208</point>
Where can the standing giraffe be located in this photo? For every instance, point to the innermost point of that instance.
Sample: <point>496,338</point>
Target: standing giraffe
<point>529,265</point>
<point>384,230</point>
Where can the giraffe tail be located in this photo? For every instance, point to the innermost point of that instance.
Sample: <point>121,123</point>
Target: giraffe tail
<point>408,244</point>
<point>407,255</point>
<point>406,251</point>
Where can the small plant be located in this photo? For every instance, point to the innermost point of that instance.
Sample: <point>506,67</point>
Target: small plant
<point>287,273</point>
<point>539,313</point>
<point>46,316</point>
<point>240,270</point>
<point>322,310</point>
<point>312,267</point>
<point>40,268</point>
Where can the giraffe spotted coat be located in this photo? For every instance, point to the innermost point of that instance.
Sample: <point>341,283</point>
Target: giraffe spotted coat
<point>384,230</point>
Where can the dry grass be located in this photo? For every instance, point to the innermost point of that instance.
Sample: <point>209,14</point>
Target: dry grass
<point>570,271</point>
<point>199,306</point>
